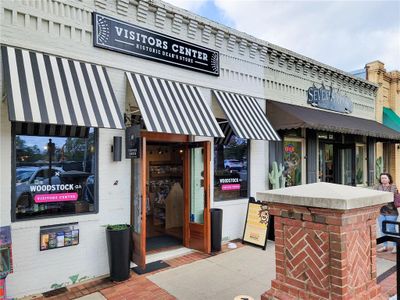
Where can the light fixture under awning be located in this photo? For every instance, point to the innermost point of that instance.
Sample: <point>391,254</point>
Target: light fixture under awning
<point>246,117</point>
<point>172,107</point>
<point>47,89</point>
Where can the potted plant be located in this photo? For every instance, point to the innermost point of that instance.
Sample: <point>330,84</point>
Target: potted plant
<point>118,238</point>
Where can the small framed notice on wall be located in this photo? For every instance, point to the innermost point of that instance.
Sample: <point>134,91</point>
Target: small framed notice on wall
<point>59,236</point>
<point>256,225</point>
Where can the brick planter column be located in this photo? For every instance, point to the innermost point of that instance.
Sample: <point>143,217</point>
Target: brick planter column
<point>325,241</point>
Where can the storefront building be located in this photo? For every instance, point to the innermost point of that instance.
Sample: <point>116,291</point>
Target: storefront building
<point>326,120</point>
<point>143,113</point>
<point>387,113</point>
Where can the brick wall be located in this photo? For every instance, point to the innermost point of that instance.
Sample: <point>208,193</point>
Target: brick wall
<point>324,253</point>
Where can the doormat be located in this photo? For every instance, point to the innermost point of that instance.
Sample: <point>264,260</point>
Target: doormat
<point>154,266</point>
<point>55,292</point>
<point>163,241</point>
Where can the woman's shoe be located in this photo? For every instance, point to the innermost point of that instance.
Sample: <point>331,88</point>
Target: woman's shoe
<point>380,250</point>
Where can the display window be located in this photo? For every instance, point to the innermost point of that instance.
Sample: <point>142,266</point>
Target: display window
<point>231,175</point>
<point>54,174</point>
<point>361,164</point>
<point>293,153</point>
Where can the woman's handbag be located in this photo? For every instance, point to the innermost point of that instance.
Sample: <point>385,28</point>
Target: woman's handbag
<point>396,200</point>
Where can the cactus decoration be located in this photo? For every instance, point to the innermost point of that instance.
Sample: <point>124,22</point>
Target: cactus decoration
<point>378,167</point>
<point>276,177</point>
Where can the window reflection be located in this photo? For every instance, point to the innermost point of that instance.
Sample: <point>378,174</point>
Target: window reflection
<point>230,169</point>
<point>54,175</point>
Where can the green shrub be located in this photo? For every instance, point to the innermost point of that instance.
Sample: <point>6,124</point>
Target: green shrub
<point>117,227</point>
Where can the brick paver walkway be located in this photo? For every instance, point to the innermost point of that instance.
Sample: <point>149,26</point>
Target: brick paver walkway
<point>139,287</point>
<point>389,284</point>
<point>136,287</point>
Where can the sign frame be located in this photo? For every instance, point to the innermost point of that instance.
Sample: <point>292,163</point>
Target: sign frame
<point>132,142</point>
<point>54,229</point>
<point>252,201</point>
<point>135,41</point>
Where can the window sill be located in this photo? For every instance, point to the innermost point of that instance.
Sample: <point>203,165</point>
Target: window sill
<point>29,223</point>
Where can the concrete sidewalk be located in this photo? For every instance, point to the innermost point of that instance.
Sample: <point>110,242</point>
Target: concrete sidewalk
<point>245,271</point>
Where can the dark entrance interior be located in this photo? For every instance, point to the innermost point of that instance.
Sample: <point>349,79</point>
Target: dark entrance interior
<point>337,163</point>
<point>165,196</point>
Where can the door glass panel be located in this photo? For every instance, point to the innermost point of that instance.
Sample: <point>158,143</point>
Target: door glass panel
<point>346,170</point>
<point>292,162</point>
<point>197,185</point>
<point>326,162</point>
<point>361,164</point>
<point>137,195</point>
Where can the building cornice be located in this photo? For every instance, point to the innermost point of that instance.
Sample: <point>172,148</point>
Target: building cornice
<point>275,52</point>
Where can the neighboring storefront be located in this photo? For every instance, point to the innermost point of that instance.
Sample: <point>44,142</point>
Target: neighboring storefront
<point>387,113</point>
<point>146,114</point>
<point>327,124</point>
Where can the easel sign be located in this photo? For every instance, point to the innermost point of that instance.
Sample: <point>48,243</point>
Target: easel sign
<point>256,225</point>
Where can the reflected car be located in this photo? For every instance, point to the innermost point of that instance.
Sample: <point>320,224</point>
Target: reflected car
<point>26,176</point>
<point>233,164</point>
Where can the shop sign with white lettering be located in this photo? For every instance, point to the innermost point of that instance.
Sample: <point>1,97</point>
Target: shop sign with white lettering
<point>119,36</point>
<point>330,99</point>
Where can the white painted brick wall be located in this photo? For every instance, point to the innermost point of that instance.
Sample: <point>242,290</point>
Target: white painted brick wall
<point>64,28</point>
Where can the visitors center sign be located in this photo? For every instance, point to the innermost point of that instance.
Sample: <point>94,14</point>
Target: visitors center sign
<point>116,35</point>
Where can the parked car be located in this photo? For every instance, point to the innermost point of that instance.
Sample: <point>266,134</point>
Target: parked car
<point>26,176</point>
<point>233,164</point>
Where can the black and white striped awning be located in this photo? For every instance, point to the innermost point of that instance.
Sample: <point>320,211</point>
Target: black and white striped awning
<point>172,107</point>
<point>246,117</point>
<point>228,133</point>
<point>40,129</point>
<point>47,89</point>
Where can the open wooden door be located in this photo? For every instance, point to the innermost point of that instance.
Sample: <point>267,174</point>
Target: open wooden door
<point>138,207</point>
<point>197,196</point>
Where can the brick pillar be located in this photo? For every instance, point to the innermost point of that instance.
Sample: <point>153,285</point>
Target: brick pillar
<point>324,253</point>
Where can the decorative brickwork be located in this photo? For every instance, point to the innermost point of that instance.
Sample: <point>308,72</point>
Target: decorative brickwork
<point>324,253</point>
<point>358,245</point>
<point>307,256</point>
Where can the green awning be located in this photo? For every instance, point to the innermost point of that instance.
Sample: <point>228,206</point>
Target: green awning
<point>391,119</point>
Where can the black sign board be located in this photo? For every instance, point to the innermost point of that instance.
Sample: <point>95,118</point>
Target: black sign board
<point>132,141</point>
<point>256,225</point>
<point>329,98</point>
<point>119,36</point>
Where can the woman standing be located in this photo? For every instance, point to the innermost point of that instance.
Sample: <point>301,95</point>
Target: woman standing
<point>388,211</point>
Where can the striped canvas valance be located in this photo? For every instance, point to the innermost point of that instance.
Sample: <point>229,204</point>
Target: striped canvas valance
<point>42,88</point>
<point>246,117</point>
<point>40,129</point>
<point>228,133</point>
<point>172,107</point>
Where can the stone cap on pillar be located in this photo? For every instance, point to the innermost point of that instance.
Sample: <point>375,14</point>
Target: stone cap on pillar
<point>326,195</point>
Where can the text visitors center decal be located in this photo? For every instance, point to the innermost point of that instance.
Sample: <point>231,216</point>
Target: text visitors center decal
<point>119,36</point>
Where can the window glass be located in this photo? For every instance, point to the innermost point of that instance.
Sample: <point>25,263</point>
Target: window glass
<point>54,175</point>
<point>292,160</point>
<point>230,169</point>
<point>361,165</point>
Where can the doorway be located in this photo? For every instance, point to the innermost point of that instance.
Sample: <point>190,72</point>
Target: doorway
<point>170,192</point>
<point>326,164</point>
<point>345,166</point>
<point>337,163</point>
<point>165,196</point>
